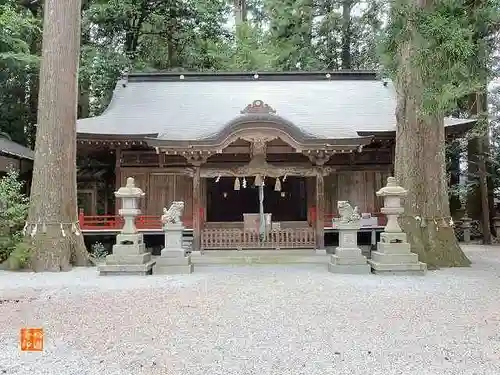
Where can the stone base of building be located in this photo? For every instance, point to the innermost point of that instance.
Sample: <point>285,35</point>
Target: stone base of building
<point>356,264</point>
<point>126,269</point>
<point>173,262</point>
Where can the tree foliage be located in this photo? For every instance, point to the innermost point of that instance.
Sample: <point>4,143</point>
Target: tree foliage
<point>17,28</point>
<point>275,35</point>
<point>13,210</point>
<point>18,64</point>
<point>175,35</point>
<point>452,36</point>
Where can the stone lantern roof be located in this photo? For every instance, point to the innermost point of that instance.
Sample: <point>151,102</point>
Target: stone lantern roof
<point>130,190</point>
<point>392,189</point>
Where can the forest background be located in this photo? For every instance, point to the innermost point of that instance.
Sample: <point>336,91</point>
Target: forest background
<point>205,35</point>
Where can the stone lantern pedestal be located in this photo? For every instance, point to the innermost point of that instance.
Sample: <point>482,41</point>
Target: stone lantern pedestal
<point>174,258</point>
<point>393,255</point>
<point>129,253</point>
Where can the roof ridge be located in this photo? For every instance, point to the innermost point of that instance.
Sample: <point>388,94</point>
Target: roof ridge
<point>254,76</point>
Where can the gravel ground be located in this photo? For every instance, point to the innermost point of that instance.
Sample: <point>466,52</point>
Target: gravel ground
<point>256,320</point>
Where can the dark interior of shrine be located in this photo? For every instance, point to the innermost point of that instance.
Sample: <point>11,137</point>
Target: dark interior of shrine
<point>225,204</point>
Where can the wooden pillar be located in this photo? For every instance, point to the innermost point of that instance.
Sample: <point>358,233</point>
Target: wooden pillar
<point>118,156</point>
<point>196,210</point>
<point>320,210</point>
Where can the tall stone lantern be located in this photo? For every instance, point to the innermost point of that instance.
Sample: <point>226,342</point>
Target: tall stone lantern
<point>393,253</point>
<point>129,195</point>
<point>392,194</point>
<point>129,253</point>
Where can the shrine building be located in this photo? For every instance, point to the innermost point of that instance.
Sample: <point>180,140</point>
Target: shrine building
<point>212,139</point>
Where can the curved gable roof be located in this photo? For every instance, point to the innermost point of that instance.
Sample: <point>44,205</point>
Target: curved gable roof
<point>183,107</point>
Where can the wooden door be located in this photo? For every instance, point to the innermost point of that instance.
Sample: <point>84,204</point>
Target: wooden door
<point>87,201</point>
<point>161,193</point>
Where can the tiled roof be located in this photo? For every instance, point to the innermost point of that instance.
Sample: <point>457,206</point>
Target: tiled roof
<point>191,106</point>
<point>11,148</point>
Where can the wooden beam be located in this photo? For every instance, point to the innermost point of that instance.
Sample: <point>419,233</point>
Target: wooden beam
<point>166,171</point>
<point>362,167</point>
<point>124,144</point>
<point>161,159</point>
<point>271,170</point>
<point>270,150</point>
<point>118,157</point>
<point>196,210</point>
<point>320,210</point>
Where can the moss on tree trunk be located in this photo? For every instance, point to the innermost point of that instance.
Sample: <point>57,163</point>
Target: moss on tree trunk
<point>52,225</point>
<point>420,164</point>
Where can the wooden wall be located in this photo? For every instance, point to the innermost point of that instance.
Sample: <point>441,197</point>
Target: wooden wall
<point>7,163</point>
<point>161,188</point>
<point>358,187</point>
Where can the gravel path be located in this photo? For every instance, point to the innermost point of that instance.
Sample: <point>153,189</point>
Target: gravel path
<point>256,320</point>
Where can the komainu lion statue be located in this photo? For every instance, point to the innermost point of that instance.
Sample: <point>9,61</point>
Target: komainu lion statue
<point>173,214</point>
<point>347,213</point>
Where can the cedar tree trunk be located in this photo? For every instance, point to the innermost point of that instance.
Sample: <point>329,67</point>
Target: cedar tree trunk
<point>420,163</point>
<point>346,34</point>
<point>240,12</point>
<point>52,225</point>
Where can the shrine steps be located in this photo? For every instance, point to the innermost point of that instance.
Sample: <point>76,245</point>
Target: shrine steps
<point>247,257</point>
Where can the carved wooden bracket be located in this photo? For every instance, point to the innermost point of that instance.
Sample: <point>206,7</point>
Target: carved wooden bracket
<point>195,158</point>
<point>320,157</point>
<point>258,143</point>
<point>258,106</point>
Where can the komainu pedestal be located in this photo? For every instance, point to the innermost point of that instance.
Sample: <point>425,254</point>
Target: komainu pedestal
<point>348,257</point>
<point>129,254</point>
<point>174,258</point>
<point>393,255</point>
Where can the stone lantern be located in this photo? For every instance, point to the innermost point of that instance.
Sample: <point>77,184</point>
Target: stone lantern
<point>129,195</point>
<point>392,194</point>
<point>393,253</point>
<point>129,253</point>
<point>466,227</point>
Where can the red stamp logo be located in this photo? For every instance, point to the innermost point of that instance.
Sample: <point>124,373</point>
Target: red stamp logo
<point>31,339</point>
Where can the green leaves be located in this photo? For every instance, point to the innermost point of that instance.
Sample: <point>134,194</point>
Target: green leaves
<point>15,32</point>
<point>448,40</point>
<point>13,211</point>
<point>19,30</point>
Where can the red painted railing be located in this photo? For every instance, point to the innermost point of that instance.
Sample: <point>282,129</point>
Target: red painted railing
<point>115,222</point>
